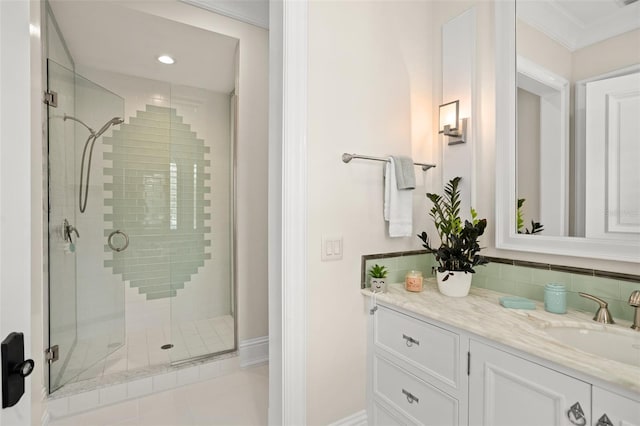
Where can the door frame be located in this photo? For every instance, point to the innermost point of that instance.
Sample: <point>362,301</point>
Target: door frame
<point>21,192</point>
<point>288,303</point>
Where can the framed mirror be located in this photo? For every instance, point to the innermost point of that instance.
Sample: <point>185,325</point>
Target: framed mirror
<point>568,127</point>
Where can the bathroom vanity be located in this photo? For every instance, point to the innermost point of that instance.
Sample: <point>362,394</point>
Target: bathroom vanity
<point>436,360</point>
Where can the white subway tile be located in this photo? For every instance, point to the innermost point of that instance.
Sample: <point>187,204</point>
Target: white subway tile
<point>84,401</point>
<point>229,365</point>
<point>140,387</point>
<point>112,394</point>
<point>58,407</point>
<point>209,370</point>
<point>188,375</point>
<point>164,381</point>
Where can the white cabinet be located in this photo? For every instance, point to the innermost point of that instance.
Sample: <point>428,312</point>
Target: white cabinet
<point>415,372</point>
<point>506,390</point>
<point>614,409</point>
<point>422,372</point>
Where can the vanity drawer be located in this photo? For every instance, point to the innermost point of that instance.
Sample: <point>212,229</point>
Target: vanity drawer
<point>417,400</point>
<point>429,349</point>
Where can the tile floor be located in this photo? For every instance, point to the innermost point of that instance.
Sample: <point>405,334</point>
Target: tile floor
<point>143,349</point>
<point>239,398</point>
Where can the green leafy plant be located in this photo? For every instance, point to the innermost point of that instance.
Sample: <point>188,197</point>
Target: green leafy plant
<point>377,271</point>
<point>459,247</point>
<point>535,226</point>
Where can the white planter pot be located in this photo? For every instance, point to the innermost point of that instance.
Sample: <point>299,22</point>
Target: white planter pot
<point>378,285</point>
<point>457,285</point>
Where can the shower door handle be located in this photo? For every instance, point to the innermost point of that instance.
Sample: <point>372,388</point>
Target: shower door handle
<point>122,247</point>
<point>67,230</point>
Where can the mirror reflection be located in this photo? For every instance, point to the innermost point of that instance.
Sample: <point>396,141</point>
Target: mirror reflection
<point>578,118</point>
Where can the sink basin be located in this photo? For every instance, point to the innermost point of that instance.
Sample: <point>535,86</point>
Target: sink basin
<point>618,345</point>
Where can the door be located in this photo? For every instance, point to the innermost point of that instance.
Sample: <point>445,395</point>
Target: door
<point>618,410</point>
<point>505,390</point>
<point>86,301</point>
<point>612,158</point>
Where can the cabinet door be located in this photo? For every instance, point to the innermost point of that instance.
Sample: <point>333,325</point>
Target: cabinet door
<point>506,390</point>
<point>619,411</point>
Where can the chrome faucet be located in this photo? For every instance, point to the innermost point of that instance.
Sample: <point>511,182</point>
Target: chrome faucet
<point>634,300</point>
<point>602,314</point>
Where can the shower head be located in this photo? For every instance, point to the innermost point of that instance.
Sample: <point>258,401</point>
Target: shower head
<point>113,122</point>
<point>91,140</point>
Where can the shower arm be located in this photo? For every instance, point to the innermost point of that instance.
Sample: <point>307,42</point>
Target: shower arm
<point>68,117</point>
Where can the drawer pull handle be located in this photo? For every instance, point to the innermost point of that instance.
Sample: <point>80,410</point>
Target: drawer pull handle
<point>410,340</point>
<point>576,415</point>
<point>410,396</point>
<point>604,421</point>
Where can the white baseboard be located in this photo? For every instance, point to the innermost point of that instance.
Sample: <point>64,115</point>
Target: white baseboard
<point>356,419</point>
<point>253,351</point>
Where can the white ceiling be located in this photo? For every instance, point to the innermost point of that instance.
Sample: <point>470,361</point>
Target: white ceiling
<point>580,23</point>
<point>107,35</point>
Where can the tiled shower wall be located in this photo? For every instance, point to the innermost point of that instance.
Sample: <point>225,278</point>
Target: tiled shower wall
<point>207,293</point>
<point>520,280</point>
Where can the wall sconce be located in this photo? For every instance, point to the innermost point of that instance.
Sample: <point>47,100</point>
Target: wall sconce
<point>450,123</point>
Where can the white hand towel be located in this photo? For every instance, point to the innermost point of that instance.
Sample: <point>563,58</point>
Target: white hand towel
<point>398,204</point>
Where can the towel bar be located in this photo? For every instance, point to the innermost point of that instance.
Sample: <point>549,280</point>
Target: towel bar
<point>348,157</point>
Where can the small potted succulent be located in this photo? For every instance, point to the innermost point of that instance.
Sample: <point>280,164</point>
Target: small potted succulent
<point>378,278</point>
<point>457,254</point>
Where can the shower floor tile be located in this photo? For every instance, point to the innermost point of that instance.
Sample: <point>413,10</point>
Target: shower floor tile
<point>142,349</point>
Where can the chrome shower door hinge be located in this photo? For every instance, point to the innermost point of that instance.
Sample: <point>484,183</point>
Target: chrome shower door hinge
<point>52,354</point>
<point>51,98</point>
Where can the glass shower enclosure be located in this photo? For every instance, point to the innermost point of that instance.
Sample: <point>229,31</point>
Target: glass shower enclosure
<point>131,195</point>
<point>86,305</point>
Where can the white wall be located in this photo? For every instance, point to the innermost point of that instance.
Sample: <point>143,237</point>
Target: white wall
<point>528,164</point>
<point>543,50</point>
<point>369,93</point>
<point>16,110</point>
<point>375,80</point>
<point>612,54</point>
<point>251,156</point>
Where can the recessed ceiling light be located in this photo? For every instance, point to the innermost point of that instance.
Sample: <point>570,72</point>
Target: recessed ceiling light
<point>166,59</point>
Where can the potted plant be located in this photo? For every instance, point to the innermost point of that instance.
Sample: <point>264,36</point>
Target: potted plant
<point>457,254</point>
<point>378,278</point>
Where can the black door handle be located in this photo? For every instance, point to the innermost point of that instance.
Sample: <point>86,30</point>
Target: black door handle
<point>14,369</point>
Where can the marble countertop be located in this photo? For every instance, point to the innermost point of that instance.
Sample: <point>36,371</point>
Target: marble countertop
<point>481,313</point>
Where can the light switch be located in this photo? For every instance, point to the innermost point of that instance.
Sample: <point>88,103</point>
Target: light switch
<point>328,247</point>
<point>331,247</point>
<point>337,248</point>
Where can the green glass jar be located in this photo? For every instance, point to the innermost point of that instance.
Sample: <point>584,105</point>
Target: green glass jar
<point>555,298</point>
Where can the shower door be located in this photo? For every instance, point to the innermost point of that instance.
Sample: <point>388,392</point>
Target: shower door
<point>86,301</point>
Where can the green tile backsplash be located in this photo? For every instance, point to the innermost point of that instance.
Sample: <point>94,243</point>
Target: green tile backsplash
<point>398,264</point>
<point>520,280</point>
<point>530,281</point>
